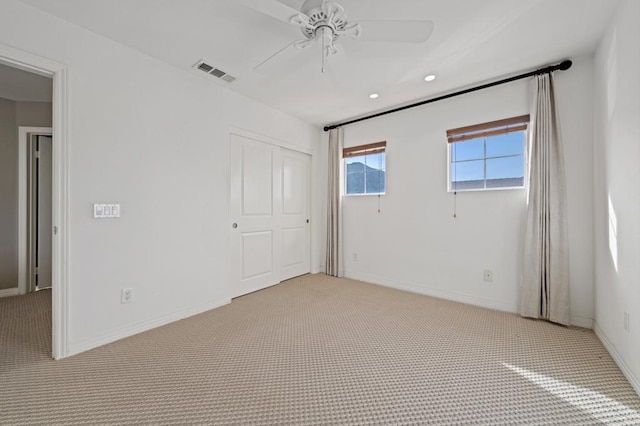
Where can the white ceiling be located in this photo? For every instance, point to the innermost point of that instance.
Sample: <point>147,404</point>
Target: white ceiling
<point>18,85</point>
<point>473,41</point>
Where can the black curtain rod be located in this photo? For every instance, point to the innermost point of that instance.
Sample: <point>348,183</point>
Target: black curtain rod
<point>563,66</point>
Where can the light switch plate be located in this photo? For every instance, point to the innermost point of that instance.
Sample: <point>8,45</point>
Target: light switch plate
<point>102,211</point>
<point>98,210</point>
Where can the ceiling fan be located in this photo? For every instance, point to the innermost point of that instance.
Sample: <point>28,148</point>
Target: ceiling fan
<point>326,21</point>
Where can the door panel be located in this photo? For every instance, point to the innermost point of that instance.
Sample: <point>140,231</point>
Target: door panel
<point>269,208</point>
<point>255,205</point>
<point>257,180</point>
<point>296,235</point>
<point>293,199</point>
<point>44,227</point>
<point>257,247</point>
<point>293,247</point>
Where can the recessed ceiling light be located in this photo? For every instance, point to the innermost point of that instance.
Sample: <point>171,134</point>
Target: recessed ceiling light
<point>373,95</point>
<point>430,77</point>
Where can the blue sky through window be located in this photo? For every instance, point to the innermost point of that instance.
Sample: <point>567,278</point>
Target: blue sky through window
<point>468,150</point>
<point>488,159</point>
<point>509,144</point>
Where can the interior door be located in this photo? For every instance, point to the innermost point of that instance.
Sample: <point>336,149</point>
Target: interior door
<point>255,212</point>
<point>44,209</point>
<point>295,229</point>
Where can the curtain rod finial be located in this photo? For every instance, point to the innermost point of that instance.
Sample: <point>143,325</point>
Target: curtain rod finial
<point>565,65</point>
<point>326,128</point>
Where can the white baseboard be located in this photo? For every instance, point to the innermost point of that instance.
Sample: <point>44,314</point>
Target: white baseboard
<point>453,296</point>
<point>122,332</point>
<point>433,292</point>
<point>633,380</point>
<point>582,322</point>
<point>9,292</point>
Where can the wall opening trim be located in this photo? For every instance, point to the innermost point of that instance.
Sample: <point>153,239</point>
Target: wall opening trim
<point>60,181</point>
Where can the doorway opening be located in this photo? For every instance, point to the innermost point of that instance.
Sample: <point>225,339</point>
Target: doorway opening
<point>35,253</point>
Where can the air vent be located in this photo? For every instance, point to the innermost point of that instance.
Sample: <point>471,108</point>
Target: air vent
<point>205,67</point>
<point>213,71</point>
<point>217,73</point>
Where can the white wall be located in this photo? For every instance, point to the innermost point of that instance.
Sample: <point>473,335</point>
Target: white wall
<point>320,175</point>
<point>8,195</point>
<point>155,139</point>
<point>33,114</point>
<point>414,243</point>
<point>617,189</point>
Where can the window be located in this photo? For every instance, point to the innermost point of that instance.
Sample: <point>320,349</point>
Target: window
<point>365,169</point>
<point>488,155</point>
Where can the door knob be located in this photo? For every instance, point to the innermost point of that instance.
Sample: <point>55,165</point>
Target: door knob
<point>235,225</point>
<point>307,220</point>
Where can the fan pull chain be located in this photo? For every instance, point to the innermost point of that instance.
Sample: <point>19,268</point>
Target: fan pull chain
<point>323,54</point>
<point>455,209</point>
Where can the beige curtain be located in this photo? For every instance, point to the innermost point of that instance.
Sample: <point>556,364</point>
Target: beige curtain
<point>333,260</point>
<point>545,290</point>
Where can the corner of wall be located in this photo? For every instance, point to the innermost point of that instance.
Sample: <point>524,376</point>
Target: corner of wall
<point>624,367</point>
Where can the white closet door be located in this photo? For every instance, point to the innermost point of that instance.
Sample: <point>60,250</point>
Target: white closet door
<point>255,212</point>
<point>295,230</point>
<point>270,205</point>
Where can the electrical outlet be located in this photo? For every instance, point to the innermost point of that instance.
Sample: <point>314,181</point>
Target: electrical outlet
<point>126,295</point>
<point>625,321</point>
<point>355,257</point>
<point>487,275</point>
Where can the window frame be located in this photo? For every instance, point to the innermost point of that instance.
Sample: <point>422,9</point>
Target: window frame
<point>363,151</point>
<point>485,131</point>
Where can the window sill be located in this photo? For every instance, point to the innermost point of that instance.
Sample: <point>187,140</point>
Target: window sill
<point>486,189</point>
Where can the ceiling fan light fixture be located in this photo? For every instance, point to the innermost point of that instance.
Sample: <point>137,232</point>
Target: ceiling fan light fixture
<point>332,11</point>
<point>351,30</point>
<point>301,21</point>
<point>332,49</point>
<point>302,44</point>
<point>430,77</point>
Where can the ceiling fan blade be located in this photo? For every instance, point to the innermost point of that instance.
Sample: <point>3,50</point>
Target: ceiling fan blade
<point>283,55</point>
<point>396,31</point>
<point>273,8</point>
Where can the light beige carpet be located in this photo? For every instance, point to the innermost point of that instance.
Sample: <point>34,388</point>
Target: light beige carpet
<point>316,350</point>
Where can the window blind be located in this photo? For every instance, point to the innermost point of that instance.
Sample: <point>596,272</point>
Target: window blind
<point>372,148</point>
<point>492,128</point>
